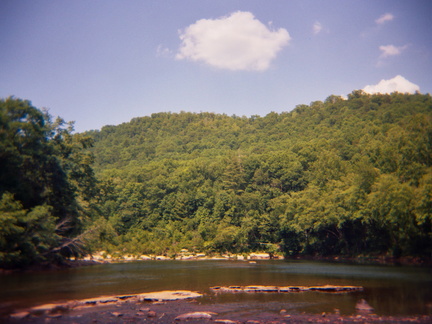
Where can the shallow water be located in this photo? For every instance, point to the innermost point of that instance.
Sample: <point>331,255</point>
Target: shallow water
<point>391,290</point>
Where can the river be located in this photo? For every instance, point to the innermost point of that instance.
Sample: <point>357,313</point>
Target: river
<point>390,290</point>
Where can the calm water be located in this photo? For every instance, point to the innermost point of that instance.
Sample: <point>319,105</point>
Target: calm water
<point>391,290</point>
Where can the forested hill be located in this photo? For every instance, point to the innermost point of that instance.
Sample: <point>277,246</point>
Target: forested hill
<point>349,177</point>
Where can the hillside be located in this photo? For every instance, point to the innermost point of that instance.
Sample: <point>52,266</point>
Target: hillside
<point>349,177</point>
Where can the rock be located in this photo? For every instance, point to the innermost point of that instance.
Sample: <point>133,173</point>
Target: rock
<point>168,295</point>
<point>48,308</point>
<point>195,315</point>
<point>259,256</point>
<point>129,257</point>
<point>151,314</point>
<point>19,315</point>
<point>261,289</point>
<point>123,297</point>
<point>276,289</point>
<point>116,314</point>
<point>225,321</point>
<point>363,307</point>
<point>330,288</point>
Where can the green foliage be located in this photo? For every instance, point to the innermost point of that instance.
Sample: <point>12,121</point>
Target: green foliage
<point>335,177</point>
<point>26,237</point>
<point>47,184</point>
<point>349,177</point>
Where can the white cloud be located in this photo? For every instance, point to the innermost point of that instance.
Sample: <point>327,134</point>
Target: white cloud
<point>391,50</point>
<point>317,27</point>
<point>397,84</point>
<point>234,42</point>
<point>384,18</point>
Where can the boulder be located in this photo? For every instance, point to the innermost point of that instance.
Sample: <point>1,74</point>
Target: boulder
<point>363,307</point>
<point>195,316</point>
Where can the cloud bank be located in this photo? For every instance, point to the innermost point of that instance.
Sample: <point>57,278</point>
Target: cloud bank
<point>235,42</point>
<point>397,84</point>
<point>384,18</point>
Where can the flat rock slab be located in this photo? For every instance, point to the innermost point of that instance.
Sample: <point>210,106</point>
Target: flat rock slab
<point>168,295</point>
<point>287,289</point>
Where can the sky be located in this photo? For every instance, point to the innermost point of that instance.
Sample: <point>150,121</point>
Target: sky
<point>104,62</point>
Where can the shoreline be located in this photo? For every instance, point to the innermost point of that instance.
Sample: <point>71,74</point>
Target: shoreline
<point>98,259</point>
<point>104,257</point>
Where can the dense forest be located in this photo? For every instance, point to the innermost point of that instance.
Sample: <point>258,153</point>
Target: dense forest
<point>350,177</point>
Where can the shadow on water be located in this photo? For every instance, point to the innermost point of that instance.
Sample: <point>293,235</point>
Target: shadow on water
<point>390,290</point>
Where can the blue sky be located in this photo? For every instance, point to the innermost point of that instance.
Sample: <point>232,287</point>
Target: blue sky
<point>103,62</point>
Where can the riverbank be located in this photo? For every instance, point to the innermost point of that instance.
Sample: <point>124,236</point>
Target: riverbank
<point>185,255</point>
<point>105,257</point>
<point>192,310</point>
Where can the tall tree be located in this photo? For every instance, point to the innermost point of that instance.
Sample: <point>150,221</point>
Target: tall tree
<point>44,175</point>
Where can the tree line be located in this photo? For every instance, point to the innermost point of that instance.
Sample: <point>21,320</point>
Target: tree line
<point>345,177</point>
